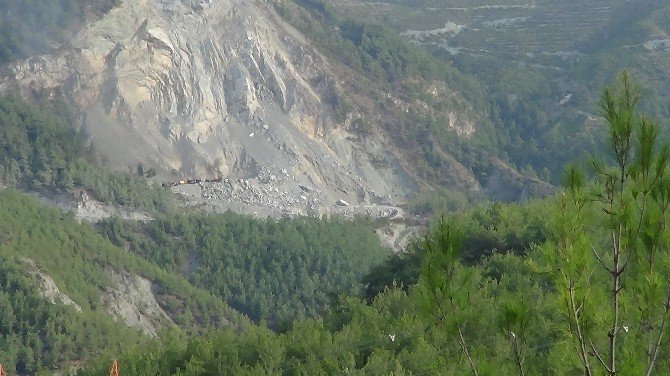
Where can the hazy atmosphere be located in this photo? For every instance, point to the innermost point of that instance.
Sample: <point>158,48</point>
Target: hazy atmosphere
<point>308,187</point>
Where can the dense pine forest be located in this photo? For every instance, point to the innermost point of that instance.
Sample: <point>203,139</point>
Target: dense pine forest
<point>41,151</point>
<point>584,290</point>
<point>272,271</point>
<point>573,284</point>
<point>514,287</point>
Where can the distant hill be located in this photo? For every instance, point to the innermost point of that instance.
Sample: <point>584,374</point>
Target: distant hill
<point>543,63</point>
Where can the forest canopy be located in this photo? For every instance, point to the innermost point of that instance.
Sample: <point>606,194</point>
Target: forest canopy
<point>587,294</point>
<point>274,271</point>
<point>40,151</point>
<point>576,284</point>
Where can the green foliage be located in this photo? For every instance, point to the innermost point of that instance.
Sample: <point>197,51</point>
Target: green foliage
<point>620,261</point>
<point>273,271</point>
<point>40,151</point>
<point>36,333</point>
<point>436,202</point>
<point>509,317</point>
<point>443,286</point>
<point>389,336</point>
<point>386,56</point>
<point>496,229</point>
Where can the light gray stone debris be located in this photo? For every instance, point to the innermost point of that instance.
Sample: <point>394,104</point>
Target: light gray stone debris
<point>341,203</point>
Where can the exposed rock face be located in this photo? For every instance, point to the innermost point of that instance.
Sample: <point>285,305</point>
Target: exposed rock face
<point>131,299</point>
<point>214,88</point>
<point>48,288</point>
<point>88,209</point>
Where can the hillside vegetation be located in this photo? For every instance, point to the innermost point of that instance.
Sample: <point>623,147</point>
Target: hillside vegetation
<point>40,151</point>
<point>588,296</point>
<point>542,63</point>
<point>37,333</point>
<point>576,284</point>
<point>273,271</point>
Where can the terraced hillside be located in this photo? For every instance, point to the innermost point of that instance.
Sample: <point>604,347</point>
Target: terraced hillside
<point>544,62</point>
<point>535,31</point>
<point>550,35</point>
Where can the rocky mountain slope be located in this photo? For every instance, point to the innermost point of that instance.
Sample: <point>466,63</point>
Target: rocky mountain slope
<point>206,89</point>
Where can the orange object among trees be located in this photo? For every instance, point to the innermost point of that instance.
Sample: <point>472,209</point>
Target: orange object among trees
<point>2,371</point>
<point>114,371</point>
